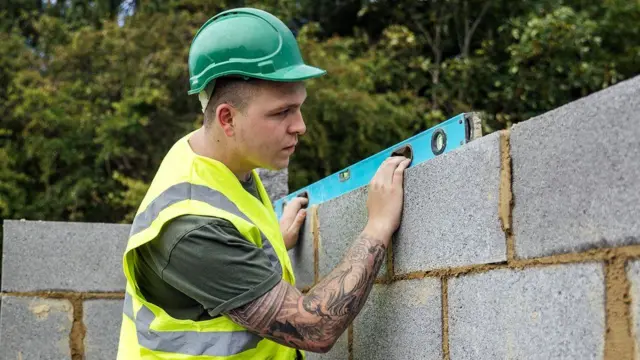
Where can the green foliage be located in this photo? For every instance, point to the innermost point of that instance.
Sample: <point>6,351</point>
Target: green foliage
<point>346,118</point>
<point>92,115</point>
<point>559,54</point>
<point>91,101</point>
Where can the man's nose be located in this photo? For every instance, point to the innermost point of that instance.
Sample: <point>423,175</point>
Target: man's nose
<point>298,126</point>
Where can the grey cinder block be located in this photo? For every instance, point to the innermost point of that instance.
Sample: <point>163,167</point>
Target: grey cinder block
<point>341,221</point>
<point>276,182</point>
<point>340,350</point>
<point>450,216</point>
<point>633,273</point>
<point>43,255</point>
<point>575,175</point>
<point>402,320</point>
<point>102,319</point>
<point>35,328</point>
<point>301,255</point>
<point>553,312</point>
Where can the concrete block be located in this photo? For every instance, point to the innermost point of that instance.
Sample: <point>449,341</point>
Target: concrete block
<point>553,312</point>
<point>575,175</point>
<point>63,256</point>
<point>340,350</point>
<point>102,319</point>
<point>35,328</point>
<point>276,182</point>
<point>450,216</point>
<point>302,254</point>
<point>341,220</point>
<point>402,320</point>
<point>633,273</point>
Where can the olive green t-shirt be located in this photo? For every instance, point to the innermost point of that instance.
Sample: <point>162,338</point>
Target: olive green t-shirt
<point>199,267</point>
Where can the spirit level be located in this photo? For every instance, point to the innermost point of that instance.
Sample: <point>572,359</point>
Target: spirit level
<point>446,136</point>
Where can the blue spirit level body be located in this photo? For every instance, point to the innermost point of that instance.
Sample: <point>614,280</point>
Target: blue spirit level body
<point>446,136</point>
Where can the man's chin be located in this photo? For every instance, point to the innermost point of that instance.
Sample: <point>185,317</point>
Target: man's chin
<point>280,166</point>
<point>276,165</point>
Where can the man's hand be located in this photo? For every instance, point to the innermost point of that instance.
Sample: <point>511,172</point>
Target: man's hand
<point>385,198</point>
<point>293,216</point>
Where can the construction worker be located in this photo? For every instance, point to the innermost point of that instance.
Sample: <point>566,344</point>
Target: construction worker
<point>207,269</point>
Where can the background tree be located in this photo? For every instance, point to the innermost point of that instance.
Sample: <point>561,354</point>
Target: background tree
<point>93,93</point>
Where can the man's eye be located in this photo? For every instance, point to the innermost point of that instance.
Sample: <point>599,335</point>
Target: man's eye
<point>283,113</point>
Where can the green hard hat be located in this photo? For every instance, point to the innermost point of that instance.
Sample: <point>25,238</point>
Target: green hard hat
<point>246,42</point>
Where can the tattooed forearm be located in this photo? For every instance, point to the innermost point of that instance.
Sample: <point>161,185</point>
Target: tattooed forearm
<point>315,321</point>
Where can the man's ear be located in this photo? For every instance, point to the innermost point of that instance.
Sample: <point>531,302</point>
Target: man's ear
<point>225,117</point>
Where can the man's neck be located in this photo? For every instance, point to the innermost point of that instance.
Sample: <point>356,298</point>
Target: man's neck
<point>202,143</point>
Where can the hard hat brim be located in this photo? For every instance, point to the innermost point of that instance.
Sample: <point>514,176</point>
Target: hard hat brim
<point>293,73</point>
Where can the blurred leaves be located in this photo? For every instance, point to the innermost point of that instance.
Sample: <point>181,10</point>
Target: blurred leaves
<point>93,93</point>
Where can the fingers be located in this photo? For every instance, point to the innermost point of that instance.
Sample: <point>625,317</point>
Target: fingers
<point>299,201</point>
<point>398,174</point>
<point>386,171</point>
<point>296,224</point>
<point>291,209</point>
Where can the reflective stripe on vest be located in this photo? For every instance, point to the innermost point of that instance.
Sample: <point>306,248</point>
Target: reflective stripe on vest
<point>223,343</point>
<point>184,191</point>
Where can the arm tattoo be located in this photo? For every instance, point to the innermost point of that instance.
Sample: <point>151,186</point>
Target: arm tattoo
<point>315,321</point>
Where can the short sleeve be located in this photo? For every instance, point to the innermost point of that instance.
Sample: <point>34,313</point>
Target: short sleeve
<point>216,266</point>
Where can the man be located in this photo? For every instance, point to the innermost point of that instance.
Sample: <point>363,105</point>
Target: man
<point>208,274</point>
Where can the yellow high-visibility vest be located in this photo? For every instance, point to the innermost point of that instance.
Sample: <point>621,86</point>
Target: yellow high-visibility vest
<point>187,183</point>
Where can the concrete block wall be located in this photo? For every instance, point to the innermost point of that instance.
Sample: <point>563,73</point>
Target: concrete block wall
<point>275,182</point>
<point>63,286</point>
<point>62,290</point>
<point>524,244</point>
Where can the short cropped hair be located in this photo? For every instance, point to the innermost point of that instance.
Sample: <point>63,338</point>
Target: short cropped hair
<point>234,91</point>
